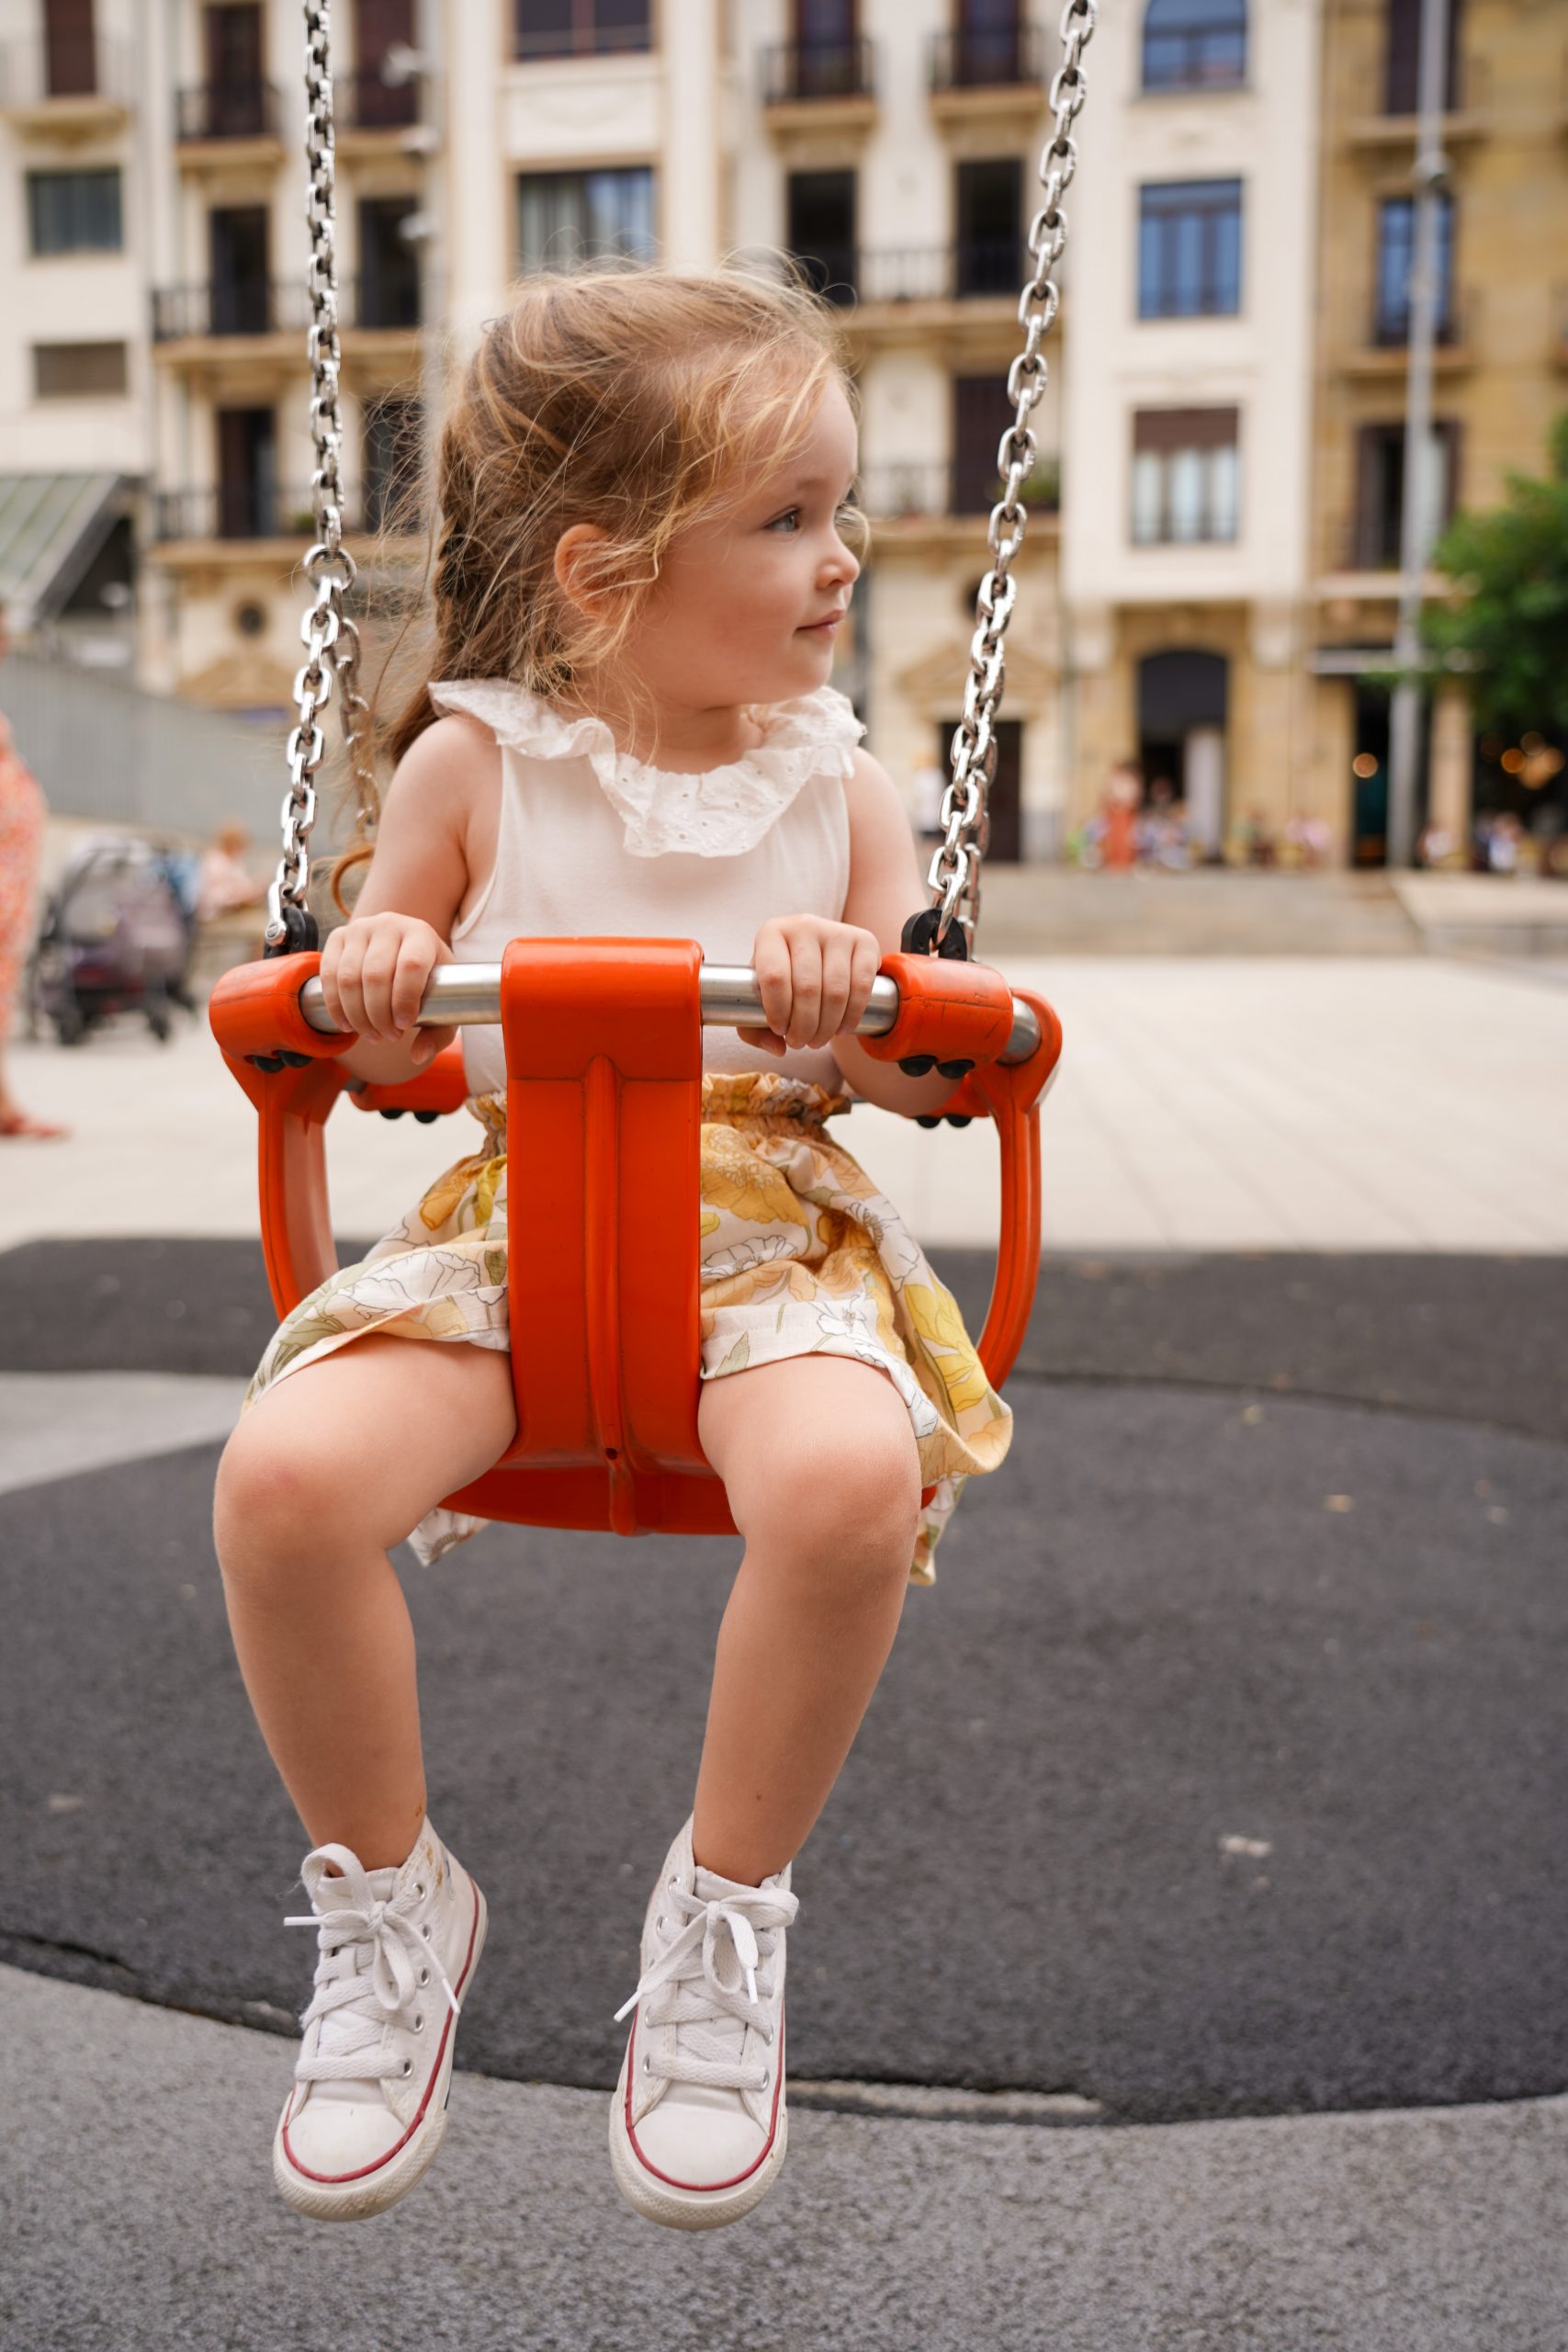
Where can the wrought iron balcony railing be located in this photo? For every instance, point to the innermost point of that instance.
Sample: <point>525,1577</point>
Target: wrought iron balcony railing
<point>228,110</point>
<point>794,72</point>
<point>981,266</point>
<point>363,101</point>
<point>248,510</point>
<point>243,306</point>
<point>965,485</point>
<point>65,65</point>
<point>977,57</point>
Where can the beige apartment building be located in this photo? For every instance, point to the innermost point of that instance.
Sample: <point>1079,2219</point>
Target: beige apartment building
<point>1207,568</point>
<point>1501,371</point>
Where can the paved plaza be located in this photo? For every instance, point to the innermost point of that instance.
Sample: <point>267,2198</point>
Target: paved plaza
<point>1344,1102</point>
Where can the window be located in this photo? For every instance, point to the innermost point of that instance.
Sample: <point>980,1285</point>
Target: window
<point>981,414</point>
<point>988,202</point>
<point>822,207</point>
<point>388,264</point>
<point>1195,44</point>
<point>70,50</point>
<point>579,27</point>
<point>991,43</point>
<point>78,370</point>
<point>1379,489</point>
<point>1402,61</point>
<point>75,212</point>
<point>393,463</point>
<point>1397,251</point>
<point>1190,249</point>
<point>563,216</point>
<point>1186,475</point>
<point>238,242</point>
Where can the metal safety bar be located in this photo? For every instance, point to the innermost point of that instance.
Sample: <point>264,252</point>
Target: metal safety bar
<point>460,995</point>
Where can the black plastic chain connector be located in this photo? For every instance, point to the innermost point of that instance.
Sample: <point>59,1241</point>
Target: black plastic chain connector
<point>916,940</point>
<point>300,937</point>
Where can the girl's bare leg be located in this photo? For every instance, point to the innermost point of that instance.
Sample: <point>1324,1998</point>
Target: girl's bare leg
<point>324,1473</point>
<point>820,1463</point>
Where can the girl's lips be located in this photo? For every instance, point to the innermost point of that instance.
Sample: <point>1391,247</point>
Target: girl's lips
<point>813,627</point>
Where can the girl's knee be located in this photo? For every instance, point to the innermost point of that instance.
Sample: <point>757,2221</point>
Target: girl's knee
<point>852,1503</point>
<point>273,1494</point>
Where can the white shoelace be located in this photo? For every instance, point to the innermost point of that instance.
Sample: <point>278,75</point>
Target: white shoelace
<point>698,2002</point>
<point>358,1999</point>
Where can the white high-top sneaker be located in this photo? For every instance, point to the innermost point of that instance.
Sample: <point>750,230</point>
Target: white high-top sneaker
<point>698,2128</point>
<point>398,1953</point>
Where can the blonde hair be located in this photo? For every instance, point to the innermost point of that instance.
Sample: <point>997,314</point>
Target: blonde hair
<point>628,397</point>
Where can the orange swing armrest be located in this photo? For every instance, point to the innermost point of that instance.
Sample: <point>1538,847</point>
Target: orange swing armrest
<point>441,1086</point>
<point>1010,1094</point>
<point>952,1010</point>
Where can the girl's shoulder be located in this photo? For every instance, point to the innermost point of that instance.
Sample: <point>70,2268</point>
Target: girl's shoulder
<point>717,813</point>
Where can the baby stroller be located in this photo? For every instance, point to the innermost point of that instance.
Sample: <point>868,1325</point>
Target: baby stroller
<point>116,937</point>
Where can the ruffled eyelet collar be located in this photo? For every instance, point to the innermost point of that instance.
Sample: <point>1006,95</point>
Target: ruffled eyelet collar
<point>717,814</point>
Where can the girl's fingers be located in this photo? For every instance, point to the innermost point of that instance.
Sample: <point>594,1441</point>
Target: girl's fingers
<point>806,990</point>
<point>763,1037</point>
<point>427,1044</point>
<point>410,978</point>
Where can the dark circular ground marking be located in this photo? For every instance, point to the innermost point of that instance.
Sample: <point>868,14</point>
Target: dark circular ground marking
<point>1187,1790</point>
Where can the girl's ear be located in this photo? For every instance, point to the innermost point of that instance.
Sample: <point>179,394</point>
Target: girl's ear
<point>579,567</point>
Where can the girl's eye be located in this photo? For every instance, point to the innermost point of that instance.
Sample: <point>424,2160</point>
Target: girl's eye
<point>792,519</point>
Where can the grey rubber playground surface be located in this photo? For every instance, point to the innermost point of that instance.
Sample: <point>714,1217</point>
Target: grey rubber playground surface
<point>1221,1775</point>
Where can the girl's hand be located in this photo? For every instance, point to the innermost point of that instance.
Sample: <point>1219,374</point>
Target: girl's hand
<point>816,980</point>
<point>374,974</point>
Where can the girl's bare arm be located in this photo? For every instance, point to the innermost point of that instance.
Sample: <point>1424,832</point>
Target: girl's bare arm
<point>374,969</point>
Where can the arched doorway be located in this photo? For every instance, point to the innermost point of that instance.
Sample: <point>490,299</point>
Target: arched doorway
<point>1182,702</point>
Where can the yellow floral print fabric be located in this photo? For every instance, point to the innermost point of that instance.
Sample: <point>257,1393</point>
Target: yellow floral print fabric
<point>800,1255</point>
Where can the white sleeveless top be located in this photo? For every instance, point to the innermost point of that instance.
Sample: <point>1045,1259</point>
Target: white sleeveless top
<point>594,843</point>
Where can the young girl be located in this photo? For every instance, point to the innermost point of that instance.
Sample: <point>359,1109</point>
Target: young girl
<point>643,563</point>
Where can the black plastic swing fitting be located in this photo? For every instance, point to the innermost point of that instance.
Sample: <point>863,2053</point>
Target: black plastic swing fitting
<point>916,940</point>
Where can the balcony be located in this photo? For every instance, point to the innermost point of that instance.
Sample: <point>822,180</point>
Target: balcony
<point>1464,118</point>
<point>244,515</point>
<point>226,123</point>
<point>215,320</point>
<point>364,102</point>
<point>988,72</point>
<point>65,86</point>
<point>909,294</point>
<point>819,83</point>
<point>935,499</point>
<point>1385,352</point>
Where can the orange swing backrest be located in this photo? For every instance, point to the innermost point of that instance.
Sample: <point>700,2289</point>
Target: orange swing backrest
<point>603,1055</point>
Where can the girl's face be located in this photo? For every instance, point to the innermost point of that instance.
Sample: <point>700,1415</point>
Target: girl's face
<point>747,604</point>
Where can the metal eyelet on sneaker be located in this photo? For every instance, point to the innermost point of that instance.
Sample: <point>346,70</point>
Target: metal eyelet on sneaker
<point>425,1975</point>
<point>418,2024</point>
<point>408,2068</point>
<point>426,1933</point>
<point>646,2067</point>
<point>767,2076</point>
<point>659,1924</point>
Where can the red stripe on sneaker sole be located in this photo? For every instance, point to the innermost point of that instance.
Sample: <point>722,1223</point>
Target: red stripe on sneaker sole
<point>332,2179</point>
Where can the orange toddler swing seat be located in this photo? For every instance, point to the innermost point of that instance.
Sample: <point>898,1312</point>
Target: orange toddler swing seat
<point>605,1066</point>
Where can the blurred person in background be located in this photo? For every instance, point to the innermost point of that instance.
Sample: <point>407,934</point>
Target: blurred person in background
<point>23,814</point>
<point>223,884</point>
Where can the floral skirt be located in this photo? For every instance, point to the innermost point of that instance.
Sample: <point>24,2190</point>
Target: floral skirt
<point>800,1255</point>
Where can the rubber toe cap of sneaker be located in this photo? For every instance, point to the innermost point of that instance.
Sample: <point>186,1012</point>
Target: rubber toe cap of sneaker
<point>698,2150</point>
<point>332,2139</point>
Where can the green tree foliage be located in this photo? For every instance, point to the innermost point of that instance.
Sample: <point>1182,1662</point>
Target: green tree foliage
<point>1507,625</point>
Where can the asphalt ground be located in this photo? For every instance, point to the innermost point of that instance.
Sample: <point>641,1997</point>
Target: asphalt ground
<point>1221,1775</point>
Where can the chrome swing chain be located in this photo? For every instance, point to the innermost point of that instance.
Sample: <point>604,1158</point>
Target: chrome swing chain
<point>329,635</point>
<point>954,875</point>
